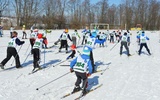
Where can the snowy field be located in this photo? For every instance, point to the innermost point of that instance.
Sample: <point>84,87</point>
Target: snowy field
<point>126,78</point>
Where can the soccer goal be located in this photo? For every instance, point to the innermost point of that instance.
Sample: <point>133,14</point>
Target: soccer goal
<point>99,26</point>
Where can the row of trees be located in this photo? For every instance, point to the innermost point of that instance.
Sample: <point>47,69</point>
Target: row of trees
<point>79,13</point>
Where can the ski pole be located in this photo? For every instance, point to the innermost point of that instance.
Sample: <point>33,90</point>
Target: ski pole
<point>150,46</point>
<point>16,55</point>
<point>52,81</point>
<point>106,68</point>
<point>26,57</point>
<point>113,46</point>
<point>27,49</point>
<point>60,63</point>
<point>44,57</point>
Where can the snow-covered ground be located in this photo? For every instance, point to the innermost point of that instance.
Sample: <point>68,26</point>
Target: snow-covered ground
<point>126,78</point>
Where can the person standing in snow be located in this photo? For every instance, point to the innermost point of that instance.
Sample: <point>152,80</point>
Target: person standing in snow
<point>143,42</point>
<point>129,39</point>
<point>102,38</point>
<point>11,31</point>
<point>64,36</point>
<point>124,43</point>
<point>45,41</point>
<point>80,65</point>
<point>73,48</point>
<point>1,31</point>
<point>84,32</point>
<point>11,51</point>
<point>36,51</point>
<point>74,37</point>
<point>24,32</point>
<point>112,37</point>
<point>90,44</point>
<point>33,37</point>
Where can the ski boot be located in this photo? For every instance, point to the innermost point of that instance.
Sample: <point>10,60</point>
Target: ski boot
<point>2,67</point>
<point>129,55</point>
<point>84,92</point>
<point>76,89</point>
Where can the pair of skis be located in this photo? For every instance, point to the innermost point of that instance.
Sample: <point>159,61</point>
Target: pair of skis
<point>88,91</point>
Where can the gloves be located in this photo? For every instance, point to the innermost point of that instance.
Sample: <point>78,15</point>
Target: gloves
<point>88,74</point>
<point>71,70</point>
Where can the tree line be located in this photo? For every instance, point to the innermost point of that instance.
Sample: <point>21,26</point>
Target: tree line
<point>77,14</point>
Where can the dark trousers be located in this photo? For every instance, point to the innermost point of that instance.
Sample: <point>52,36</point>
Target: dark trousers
<point>32,43</point>
<point>126,47</point>
<point>80,77</point>
<point>74,40</point>
<point>10,34</point>
<point>72,54</point>
<point>45,42</point>
<point>83,40</point>
<point>112,39</point>
<point>141,46</point>
<point>92,61</point>
<point>64,44</point>
<point>24,35</point>
<point>11,52</point>
<point>36,57</point>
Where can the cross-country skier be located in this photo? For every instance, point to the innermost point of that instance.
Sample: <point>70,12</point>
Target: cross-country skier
<point>84,32</point>
<point>91,41</point>
<point>33,37</point>
<point>36,51</point>
<point>11,50</point>
<point>82,67</point>
<point>124,43</point>
<point>74,37</point>
<point>129,39</point>
<point>102,38</point>
<point>64,36</point>
<point>1,30</point>
<point>45,41</point>
<point>24,32</point>
<point>112,37</point>
<point>143,42</point>
<point>11,31</point>
<point>73,48</point>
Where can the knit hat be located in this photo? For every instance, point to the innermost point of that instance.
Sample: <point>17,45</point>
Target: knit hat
<point>40,35</point>
<point>86,51</point>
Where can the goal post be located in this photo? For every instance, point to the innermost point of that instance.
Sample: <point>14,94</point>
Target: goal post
<point>99,25</point>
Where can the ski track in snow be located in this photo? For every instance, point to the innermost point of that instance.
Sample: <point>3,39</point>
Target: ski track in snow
<point>126,78</point>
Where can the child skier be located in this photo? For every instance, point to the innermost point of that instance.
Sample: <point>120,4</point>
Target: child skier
<point>33,37</point>
<point>24,33</point>
<point>73,48</point>
<point>63,39</point>
<point>74,37</point>
<point>143,42</point>
<point>112,37</point>
<point>91,41</point>
<point>80,65</point>
<point>36,51</point>
<point>124,43</point>
<point>11,50</point>
<point>45,41</point>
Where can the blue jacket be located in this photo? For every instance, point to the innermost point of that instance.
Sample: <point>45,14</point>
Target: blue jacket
<point>138,37</point>
<point>85,57</point>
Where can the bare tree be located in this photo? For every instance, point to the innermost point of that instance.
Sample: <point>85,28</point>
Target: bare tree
<point>26,11</point>
<point>3,5</point>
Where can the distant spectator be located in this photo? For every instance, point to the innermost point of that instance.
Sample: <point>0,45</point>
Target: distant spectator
<point>1,31</point>
<point>11,31</point>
